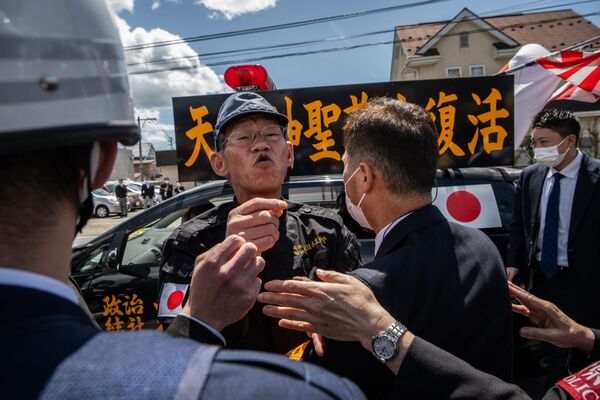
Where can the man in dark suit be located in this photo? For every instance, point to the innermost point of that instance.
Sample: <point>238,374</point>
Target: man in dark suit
<point>166,189</point>
<point>446,282</point>
<point>56,156</point>
<point>555,228</point>
<point>121,193</point>
<point>148,194</point>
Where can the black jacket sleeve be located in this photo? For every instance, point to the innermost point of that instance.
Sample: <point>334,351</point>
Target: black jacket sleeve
<point>596,350</point>
<point>187,328</point>
<point>436,374</point>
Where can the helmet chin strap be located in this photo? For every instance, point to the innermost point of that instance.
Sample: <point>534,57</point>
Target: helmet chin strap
<point>86,201</point>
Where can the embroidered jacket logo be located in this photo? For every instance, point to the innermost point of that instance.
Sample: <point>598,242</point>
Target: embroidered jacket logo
<point>300,249</point>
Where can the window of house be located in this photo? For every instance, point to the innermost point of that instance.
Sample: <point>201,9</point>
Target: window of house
<point>453,72</point>
<point>477,70</point>
<point>464,39</point>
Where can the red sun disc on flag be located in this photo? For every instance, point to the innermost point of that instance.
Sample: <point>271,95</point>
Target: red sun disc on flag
<point>463,206</point>
<point>175,299</point>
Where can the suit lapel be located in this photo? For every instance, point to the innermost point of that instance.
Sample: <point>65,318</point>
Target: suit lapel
<point>536,184</point>
<point>419,219</point>
<point>586,181</point>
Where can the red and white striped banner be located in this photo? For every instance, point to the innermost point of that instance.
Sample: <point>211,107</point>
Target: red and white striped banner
<point>580,68</point>
<point>568,91</point>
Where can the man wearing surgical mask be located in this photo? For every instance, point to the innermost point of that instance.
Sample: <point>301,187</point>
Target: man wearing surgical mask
<point>444,281</point>
<point>555,231</point>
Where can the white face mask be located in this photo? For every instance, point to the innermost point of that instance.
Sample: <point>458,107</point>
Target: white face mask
<point>549,156</point>
<point>354,210</point>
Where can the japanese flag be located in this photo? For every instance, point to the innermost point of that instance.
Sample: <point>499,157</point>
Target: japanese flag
<point>171,299</point>
<point>472,205</point>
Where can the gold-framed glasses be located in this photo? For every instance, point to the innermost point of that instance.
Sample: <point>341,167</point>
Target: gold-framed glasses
<point>270,133</point>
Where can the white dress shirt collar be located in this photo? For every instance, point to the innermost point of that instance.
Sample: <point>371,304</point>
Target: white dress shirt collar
<point>32,280</point>
<point>570,171</point>
<point>384,231</point>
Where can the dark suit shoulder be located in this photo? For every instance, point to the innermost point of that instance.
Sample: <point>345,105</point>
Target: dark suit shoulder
<point>35,337</point>
<point>533,168</point>
<point>447,283</point>
<point>591,164</point>
<point>480,240</point>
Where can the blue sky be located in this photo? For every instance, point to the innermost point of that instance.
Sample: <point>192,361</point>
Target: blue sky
<point>150,21</point>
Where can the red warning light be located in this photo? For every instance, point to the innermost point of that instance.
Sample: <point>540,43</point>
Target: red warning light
<point>248,77</point>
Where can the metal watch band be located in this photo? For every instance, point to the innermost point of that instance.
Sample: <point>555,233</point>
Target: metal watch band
<point>396,330</point>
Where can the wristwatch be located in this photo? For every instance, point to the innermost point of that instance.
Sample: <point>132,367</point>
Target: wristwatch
<point>385,344</point>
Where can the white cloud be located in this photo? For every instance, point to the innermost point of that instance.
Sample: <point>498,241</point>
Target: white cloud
<point>156,90</point>
<point>154,131</point>
<point>152,92</point>
<point>234,8</point>
<point>155,5</point>
<point>120,5</point>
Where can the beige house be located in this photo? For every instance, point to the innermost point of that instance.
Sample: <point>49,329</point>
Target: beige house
<point>469,45</point>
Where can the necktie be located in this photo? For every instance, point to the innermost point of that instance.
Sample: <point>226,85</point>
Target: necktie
<point>550,242</point>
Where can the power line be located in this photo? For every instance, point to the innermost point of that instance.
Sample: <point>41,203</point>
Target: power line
<point>516,7</point>
<point>562,5</point>
<point>345,48</point>
<point>319,41</point>
<point>271,47</point>
<point>280,26</point>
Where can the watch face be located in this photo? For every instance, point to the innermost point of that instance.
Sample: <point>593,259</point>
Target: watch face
<point>383,347</point>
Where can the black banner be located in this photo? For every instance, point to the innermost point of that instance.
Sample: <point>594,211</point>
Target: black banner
<point>474,118</point>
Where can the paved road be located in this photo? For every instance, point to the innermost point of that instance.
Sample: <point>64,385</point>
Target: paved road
<point>96,226</point>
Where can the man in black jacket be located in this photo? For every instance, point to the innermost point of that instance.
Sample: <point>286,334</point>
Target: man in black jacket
<point>121,193</point>
<point>166,189</point>
<point>148,194</point>
<point>446,282</point>
<point>252,150</point>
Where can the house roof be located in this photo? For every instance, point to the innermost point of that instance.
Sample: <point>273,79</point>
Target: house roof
<point>554,30</point>
<point>147,150</point>
<point>481,24</point>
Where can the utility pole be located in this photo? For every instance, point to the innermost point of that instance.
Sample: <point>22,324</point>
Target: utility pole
<point>140,143</point>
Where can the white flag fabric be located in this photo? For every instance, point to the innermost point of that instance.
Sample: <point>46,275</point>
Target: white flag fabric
<point>469,205</point>
<point>534,85</point>
<point>171,299</point>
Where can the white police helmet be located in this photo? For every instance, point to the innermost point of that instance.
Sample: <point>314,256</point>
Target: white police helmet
<point>62,76</point>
